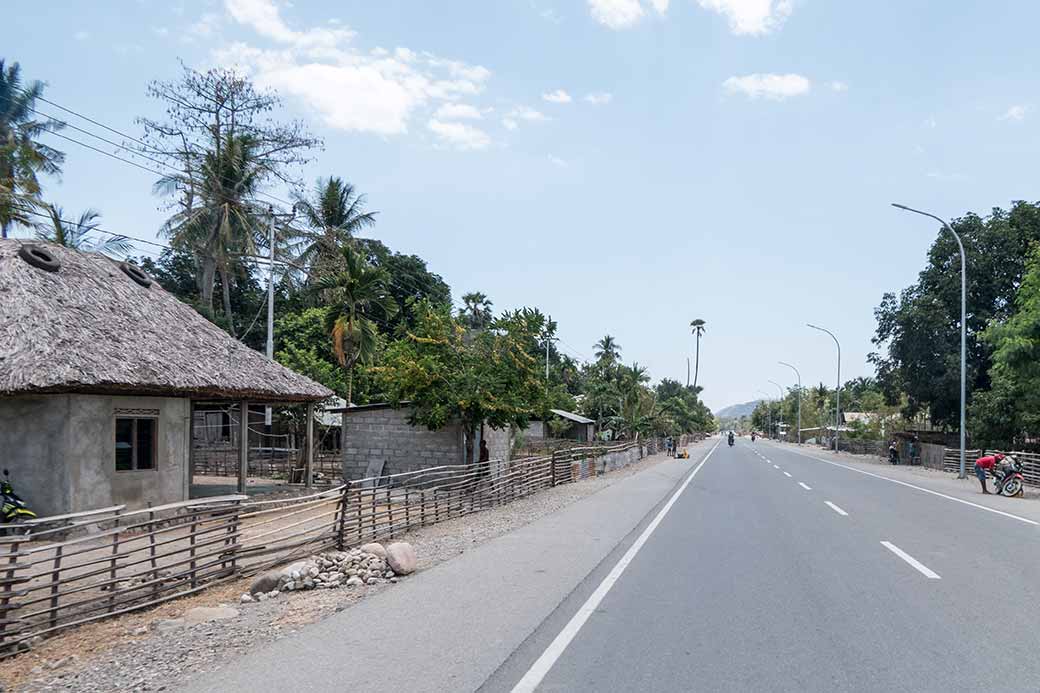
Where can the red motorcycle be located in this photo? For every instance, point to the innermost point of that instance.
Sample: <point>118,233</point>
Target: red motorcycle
<point>1007,477</point>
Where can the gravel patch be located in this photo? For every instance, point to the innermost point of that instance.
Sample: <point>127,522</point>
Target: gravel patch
<point>157,650</point>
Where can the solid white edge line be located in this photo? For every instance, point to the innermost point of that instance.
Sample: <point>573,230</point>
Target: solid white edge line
<point>921,567</point>
<point>533,678</point>
<point>836,509</point>
<point>803,485</point>
<point>787,474</point>
<point>920,488</point>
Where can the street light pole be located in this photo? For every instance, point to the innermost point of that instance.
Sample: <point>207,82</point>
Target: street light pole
<point>837,391</point>
<point>769,412</point>
<point>964,323</point>
<point>780,389</point>
<point>785,363</point>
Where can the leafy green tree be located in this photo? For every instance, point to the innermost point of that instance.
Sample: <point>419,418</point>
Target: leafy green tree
<point>449,376</point>
<point>697,326</point>
<point>334,215</point>
<point>80,234</point>
<point>410,281</point>
<point>476,310</point>
<point>607,350</point>
<point>357,293</point>
<point>919,331</point>
<point>22,156</point>
<point>303,345</point>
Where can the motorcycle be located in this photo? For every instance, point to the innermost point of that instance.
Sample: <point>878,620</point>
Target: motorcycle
<point>731,440</point>
<point>14,509</point>
<point>1007,477</point>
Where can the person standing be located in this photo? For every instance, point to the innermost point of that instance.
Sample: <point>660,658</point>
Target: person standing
<point>985,464</point>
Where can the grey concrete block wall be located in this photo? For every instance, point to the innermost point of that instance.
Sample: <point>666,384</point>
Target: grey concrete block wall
<point>371,436</point>
<point>60,450</point>
<point>499,442</point>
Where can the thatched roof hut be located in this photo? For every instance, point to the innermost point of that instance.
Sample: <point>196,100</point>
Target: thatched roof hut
<point>91,327</point>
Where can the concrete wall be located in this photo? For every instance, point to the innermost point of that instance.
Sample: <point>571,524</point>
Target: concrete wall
<point>371,436</point>
<point>535,430</point>
<point>499,442</point>
<point>61,452</point>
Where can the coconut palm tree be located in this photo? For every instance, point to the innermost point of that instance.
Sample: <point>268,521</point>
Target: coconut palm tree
<point>335,214</point>
<point>357,291</point>
<point>22,157</point>
<point>607,349</point>
<point>78,234</point>
<point>477,310</point>
<point>697,326</point>
<point>223,218</point>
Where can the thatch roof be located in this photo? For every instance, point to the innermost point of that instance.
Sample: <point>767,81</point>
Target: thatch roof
<point>89,327</point>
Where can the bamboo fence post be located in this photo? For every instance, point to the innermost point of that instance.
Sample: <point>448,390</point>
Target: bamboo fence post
<point>55,577</point>
<point>191,550</point>
<point>342,519</point>
<point>232,540</point>
<point>112,563</point>
<point>390,508</point>
<point>5,600</point>
<point>151,553</point>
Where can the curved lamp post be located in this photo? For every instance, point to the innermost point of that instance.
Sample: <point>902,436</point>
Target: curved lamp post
<point>785,363</point>
<point>780,389</point>
<point>964,324</point>
<point>837,391</point>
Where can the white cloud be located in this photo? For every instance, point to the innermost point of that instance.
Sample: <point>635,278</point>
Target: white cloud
<point>599,98</point>
<point>377,92</point>
<point>622,14</point>
<point>557,161</point>
<point>81,35</point>
<point>929,123</point>
<point>838,85</point>
<point>751,17</point>
<point>1017,112</point>
<point>205,27</point>
<point>768,86</point>
<point>458,111</point>
<point>459,135</point>
<point>510,123</point>
<point>558,96</point>
<point>527,113</point>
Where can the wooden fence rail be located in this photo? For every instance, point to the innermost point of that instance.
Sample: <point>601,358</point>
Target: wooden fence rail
<point>73,569</point>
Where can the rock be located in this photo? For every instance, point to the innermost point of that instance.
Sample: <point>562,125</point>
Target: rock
<point>140,630</point>
<point>371,581</point>
<point>272,594</point>
<point>335,577</point>
<point>246,598</point>
<point>401,557</point>
<point>265,582</point>
<point>289,586</point>
<point>393,579</point>
<point>308,583</point>
<point>354,581</point>
<point>388,574</point>
<point>205,614</point>
<point>262,597</point>
<point>167,625</point>
<point>375,548</point>
<point>313,572</point>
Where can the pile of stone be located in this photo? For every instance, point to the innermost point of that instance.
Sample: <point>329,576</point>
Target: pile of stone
<point>370,564</point>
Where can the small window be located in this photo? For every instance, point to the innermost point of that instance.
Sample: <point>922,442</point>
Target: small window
<point>135,444</point>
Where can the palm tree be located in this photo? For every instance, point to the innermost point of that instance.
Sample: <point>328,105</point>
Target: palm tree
<point>221,219</point>
<point>335,214</point>
<point>77,234</point>
<point>477,310</point>
<point>698,329</point>
<point>607,349</point>
<point>22,157</point>
<point>356,291</point>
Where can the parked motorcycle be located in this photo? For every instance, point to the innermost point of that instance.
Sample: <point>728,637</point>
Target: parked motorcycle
<point>1007,477</point>
<point>14,509</point>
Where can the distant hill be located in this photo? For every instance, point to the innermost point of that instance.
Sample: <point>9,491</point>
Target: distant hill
<point>735,411</point>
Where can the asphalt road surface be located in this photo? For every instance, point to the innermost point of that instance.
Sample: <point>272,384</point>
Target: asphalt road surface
<point>752,568</point>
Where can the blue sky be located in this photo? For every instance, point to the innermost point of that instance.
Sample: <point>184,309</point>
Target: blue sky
<point>625,165</point>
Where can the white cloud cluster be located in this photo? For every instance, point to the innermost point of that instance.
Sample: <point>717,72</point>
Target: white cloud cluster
<point>378,92</point>
<point>600,98</point>
<point>458,111</point>
<point>768,86</point>
<point>751,17</point>
<point>621,14</point>
<point>839,86</point>
<point>459,135</point>
<point>1015,113</point>
<point>558,96</point>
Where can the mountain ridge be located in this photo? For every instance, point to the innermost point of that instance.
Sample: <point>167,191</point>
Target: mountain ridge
<point>735,411</point>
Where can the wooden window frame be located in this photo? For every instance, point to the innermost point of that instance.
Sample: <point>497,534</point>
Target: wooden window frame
<point>133,442</point>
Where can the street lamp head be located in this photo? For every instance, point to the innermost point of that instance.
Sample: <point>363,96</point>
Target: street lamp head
<point>899,206</point>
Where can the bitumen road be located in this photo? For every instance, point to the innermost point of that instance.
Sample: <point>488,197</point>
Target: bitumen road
<point>756,567</point>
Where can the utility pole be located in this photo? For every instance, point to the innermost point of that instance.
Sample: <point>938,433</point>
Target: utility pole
<point>270,305</point>
<point>837,391</point>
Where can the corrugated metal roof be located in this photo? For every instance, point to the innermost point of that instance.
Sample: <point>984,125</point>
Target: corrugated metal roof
<point>570,416</point>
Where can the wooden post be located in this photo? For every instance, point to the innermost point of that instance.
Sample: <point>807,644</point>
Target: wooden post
<point>341,528</point>
<point>191,449</point>
<point>112,564</point>
<point>191,551</point>
<point>552,463</point>
<point>8,590</point>
<point>309,464</point>
<point>151,553</point>
<point>243,445</point>
<point>55,577</point>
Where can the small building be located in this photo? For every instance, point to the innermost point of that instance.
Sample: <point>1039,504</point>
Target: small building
<point>101,371</point>
<point>378,440</point>
<point>578,428</point>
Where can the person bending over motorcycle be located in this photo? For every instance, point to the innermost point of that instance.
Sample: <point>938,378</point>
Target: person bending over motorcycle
<point>984,464</point>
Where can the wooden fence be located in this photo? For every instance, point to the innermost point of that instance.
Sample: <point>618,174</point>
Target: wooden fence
<point>72,569</point>
<point>1030,462</point>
